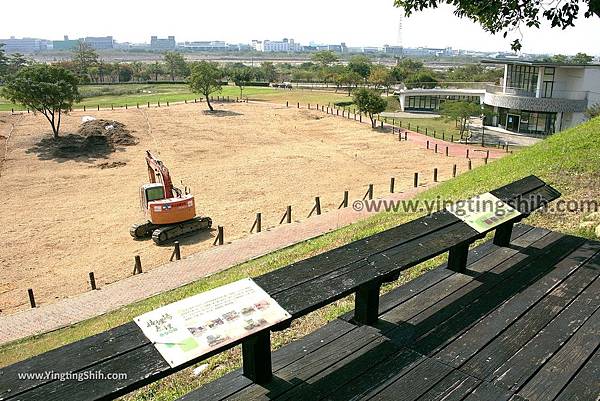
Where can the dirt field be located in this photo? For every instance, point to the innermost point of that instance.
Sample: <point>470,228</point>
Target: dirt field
<point>66,217</point>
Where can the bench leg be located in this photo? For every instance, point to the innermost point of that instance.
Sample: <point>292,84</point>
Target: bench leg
<point>256,357</point>
<point>366,304</point>
<point>503,234</point>
<point>457,258</point>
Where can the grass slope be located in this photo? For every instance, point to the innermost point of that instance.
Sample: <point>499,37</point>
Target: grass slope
<point>570,161</point>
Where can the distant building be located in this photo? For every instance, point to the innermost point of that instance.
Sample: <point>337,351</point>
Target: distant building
<point>100,43</point>
<point>162,44</point>
<point>65,44</point>
<point>341,48</point>
<point>396,50</point>
<point>24,45</point>
<point>286,45</point>
<point>214,45</point>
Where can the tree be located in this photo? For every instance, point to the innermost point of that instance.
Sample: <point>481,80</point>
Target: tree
<point>381,76</point>
<point>155,69</point>
<point>360,65</point>
<point>422,79</point>
<point>325,58</point>
<point>581,58</point>
<point>507,15</point>
<point>206,79</point>
<point>460,112</point>
<point>268,72</point>
<point>16,62</point>
<point>349,78</point>
<point>593,111</point>
<point>84,57</point>
<point>370,102</point>
<point>48,89</point>
<point>125,73</point>
<point>176,65</point>
<point>241,76</point>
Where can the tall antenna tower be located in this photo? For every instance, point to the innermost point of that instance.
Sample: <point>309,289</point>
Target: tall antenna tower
<point>399,37</point>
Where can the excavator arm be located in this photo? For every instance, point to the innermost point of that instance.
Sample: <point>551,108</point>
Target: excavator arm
<point>158,172</point>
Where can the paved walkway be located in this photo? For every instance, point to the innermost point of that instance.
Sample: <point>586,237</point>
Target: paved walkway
<point>176,274</point>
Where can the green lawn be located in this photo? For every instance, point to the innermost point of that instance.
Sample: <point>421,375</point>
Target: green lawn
<point>106,96</point>
<point>569,160</point>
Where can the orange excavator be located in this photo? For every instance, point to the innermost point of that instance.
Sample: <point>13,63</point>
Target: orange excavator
<point>171,213</point>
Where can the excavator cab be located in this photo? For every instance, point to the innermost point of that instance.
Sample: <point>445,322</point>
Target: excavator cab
<point>151,192</point>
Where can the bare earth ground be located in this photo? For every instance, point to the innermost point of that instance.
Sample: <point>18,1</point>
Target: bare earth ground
<point>64,218</point>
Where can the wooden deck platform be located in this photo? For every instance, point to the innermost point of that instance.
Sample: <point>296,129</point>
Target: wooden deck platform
<point>523,323</point>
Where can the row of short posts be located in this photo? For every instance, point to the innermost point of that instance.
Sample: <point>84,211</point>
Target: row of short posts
<point>158,104</point>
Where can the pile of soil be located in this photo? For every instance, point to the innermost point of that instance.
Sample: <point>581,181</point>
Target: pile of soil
<point>94,139</point>
<point>106,165</point>
<point>115,132</point>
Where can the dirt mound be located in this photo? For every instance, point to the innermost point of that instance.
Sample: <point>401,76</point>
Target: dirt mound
<point>94,139</point>
<point>115,132</point>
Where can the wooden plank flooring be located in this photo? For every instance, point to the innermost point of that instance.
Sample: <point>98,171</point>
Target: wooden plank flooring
<point>523,323</point>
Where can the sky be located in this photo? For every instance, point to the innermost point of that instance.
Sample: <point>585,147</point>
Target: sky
<point>356,22</point>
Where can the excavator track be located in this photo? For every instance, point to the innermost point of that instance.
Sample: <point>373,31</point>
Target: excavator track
<point>143,230</point>
<point>164,234</point>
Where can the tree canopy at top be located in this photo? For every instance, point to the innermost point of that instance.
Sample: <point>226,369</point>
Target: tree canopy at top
<point>506,15</point>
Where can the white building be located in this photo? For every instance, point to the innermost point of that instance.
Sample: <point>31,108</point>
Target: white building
<point>24,45</point>
<point>536,98</point>
<point>286,45</point>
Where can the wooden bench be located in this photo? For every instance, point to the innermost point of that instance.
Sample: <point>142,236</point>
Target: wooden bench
<point>360,268</point>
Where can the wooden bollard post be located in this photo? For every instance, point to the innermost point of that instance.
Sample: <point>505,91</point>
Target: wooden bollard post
<point>427,145</point>
<point>309,106</point>
<point>12,111</point>
<point>344,201</point>
<point>360,118</point>
<point>447,151</point>
<point>506,147</point>
<point>416,180</point>
<point>467,153</point>
<point>92,281</point>
<point>185,100</point>
<point>452,138</point>
<point>177,251</point>
<point>417,128</point>
<point>435,175</point>
<point>454,171</point>
<point>158,103</point>
<point>31,298</point>
<point>392,182</point>
<point>83,108</point>
<point>298,104</point>
<point>487,154</point>
<point>318,205</point>
<point>137,268</point>
<point>399,136</point>
<point>382,124</point>
<point>369,194</point>
<point>443,135</point>
<point>219,239</point>
<point>167,103</point>
<point>258,222</point>
<point>148,104</point>
<point>426,131</point>
<point>138,105</point>
<point>405,136</point>
<point>485,161</point>
<point>470,165</point>
<point>112,107</point>
<point>288,214</point>
<point>436,147</point>
<point>408,125</point>
<point>195,100</point>
<point>98,107</point>
<point>337,112</point>
<point>125,106</point>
